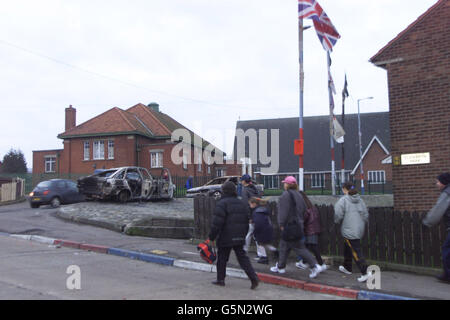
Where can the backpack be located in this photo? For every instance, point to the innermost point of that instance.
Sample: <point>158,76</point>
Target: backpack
<point>207,252</point>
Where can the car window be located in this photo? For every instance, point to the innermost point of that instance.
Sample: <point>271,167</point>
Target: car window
<point>60,184</point>
<point>106,173</point>
<point>217,181</point>
<point>133,175</point>
<point>145,174</point>
<point>44,184</point>
<point>72,185</point>
<point>234,179</point>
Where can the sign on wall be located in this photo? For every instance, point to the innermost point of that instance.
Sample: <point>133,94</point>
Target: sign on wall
<point>415,158</point>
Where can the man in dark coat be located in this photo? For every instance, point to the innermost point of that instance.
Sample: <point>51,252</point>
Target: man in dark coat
<point>229,226</point>
<point>442,210</point>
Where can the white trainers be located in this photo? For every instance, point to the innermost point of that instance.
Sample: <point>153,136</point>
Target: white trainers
<point>323,267</point>
<point>342,269</point>
<point>276,270</point>
<point>364,278</point>
<point>302,265</point>
<point>314,272</point>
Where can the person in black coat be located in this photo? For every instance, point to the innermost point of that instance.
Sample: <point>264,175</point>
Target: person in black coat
<point>230,226</point>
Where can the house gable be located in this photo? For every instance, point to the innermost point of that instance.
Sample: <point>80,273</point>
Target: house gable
<point>402,47</point>
<point>371,145</point>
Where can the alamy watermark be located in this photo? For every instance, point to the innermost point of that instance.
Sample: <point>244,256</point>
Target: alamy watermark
<point>257,149</point>
<point>374,280</point>
<point>73,282</point>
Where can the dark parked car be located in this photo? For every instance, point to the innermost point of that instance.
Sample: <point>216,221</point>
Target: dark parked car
<point>127,183</point>
<point>213,188</point>
<point>55,192</point>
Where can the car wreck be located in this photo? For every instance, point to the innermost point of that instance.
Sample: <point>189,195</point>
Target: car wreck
<point>126,184</point>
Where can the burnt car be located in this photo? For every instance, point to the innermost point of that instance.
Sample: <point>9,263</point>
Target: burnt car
<point>213,188</point>
<point>127,183</point>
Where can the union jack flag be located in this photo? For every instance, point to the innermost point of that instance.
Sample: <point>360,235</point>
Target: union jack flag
<point>327,33</point>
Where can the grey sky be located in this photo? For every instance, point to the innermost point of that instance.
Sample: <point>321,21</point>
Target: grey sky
<point>206,62</point>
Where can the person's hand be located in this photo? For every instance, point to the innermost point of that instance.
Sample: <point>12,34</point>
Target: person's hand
<point>281,228</point>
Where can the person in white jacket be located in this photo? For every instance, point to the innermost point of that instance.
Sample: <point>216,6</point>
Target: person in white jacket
<point>352,212</point>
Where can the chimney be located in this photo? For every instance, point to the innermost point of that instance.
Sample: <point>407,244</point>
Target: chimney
<point>154,106</point>
<point>71,117</point>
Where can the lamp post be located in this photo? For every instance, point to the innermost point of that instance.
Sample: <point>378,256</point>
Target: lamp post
<point>360,146</point>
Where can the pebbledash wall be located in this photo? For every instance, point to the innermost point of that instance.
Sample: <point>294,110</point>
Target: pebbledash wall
<point>418,71</point>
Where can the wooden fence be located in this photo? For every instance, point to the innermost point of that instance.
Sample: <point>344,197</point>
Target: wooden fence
<point>12,189</point>
<point>396,237</point>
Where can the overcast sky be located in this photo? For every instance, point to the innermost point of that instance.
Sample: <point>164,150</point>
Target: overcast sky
<point>207,63</point>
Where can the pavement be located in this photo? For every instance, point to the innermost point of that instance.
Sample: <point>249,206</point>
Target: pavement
<point>183,254</point>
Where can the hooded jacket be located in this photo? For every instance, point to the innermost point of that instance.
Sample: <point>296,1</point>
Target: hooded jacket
<point>440,209</point>
<point>352,211</point>
<point>263,225</point>
<point>291,206</point>
<point>248,192</point>
<point>230,222</point>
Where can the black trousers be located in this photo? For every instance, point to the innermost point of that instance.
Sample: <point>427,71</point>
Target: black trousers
<point>314,248</point>
<point>223,254</point>
<point>352,251</point>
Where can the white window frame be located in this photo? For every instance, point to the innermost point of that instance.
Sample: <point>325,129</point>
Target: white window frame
<point>156,159</point>
<point>86,150</point>
<point>376,176</point>
<point>98,150</point>
<point>272,182</point>
<point>185,162</point>
<point>220,173</point>
<point>50,164</point>
<point>317,180</point>
<point>110,149</point>
<point>199,166</point>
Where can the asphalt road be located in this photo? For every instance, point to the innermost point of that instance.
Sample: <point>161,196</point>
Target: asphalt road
<point>30,271</point>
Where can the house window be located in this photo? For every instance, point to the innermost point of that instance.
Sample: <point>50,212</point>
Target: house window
<point>50,164</point>
<point>271,182</point>
<point>199,167</point>
<point>111,149</point>
<point>156,160</point>
<point>87,150</point>
<point>376,177</point>
<point>185,162</point>
<point>317,180</point>
<point>99,150</point>
<point>220,172</point>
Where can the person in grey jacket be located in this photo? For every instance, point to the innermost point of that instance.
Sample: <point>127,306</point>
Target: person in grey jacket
<point>291,206</point>
<point>442,209</point>
<point>352,212</point>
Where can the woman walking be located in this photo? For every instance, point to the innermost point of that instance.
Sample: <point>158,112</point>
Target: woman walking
<point>229,226</point>
<point>291,208</point>
<point>312,231</point>
<point>352,212</point>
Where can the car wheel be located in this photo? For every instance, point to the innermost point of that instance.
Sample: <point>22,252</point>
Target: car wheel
<point>55,202</point>
<point>123,196</point>
<point>217,195</point>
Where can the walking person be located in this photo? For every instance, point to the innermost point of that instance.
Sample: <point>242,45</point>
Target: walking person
<point>442,209</point>
<point>291,208</point>
<point>263,232</point>
<point>229,226</point>
<point>312,231</point>
<point>248,191</point>
<point>352,212</point>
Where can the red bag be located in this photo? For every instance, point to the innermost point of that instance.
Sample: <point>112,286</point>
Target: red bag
<point>207,252</point>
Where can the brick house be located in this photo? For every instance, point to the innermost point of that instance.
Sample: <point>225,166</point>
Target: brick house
<point>417,62</point>
<point>139,136</point>
<point>317,158</point>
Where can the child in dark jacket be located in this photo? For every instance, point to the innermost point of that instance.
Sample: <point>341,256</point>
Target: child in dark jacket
<point>263,232</point>
<point>312,230</point>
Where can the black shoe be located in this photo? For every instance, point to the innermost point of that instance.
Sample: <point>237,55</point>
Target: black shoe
<point>263,260</point>
<point>254,284</point>
<point>443,278</point>
<point>219,283</point>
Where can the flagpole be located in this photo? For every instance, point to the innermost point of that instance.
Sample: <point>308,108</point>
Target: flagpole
<point>330,96</point>
<point>343,126</point>
<point>300,46</point>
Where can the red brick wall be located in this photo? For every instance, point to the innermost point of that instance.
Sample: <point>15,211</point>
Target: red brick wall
<point>419,96</point>
<point>372,162</point>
